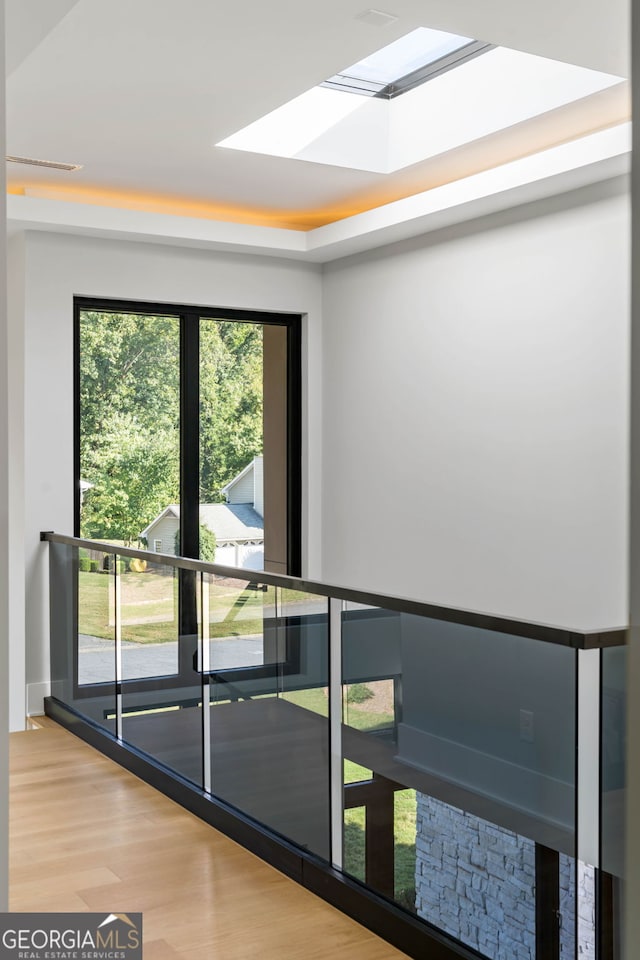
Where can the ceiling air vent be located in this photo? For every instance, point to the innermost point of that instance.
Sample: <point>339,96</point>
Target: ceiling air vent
<point>48,164</point>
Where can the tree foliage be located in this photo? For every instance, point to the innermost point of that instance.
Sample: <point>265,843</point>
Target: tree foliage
<point>207,543</point>
<point>130,415</point>
<point>230,402</point>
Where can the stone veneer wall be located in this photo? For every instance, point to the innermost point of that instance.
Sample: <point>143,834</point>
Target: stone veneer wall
<point>587,909</point>
<point>476,881</point>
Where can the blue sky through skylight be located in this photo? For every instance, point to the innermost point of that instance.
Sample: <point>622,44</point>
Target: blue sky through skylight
<point>417,49</point>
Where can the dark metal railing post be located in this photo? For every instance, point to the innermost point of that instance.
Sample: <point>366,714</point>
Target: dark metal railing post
<point>204,665</point>
<point>547,903</point>
<point>117,629</point>
<point>336,774</point>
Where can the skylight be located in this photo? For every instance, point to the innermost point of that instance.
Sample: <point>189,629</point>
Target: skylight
<point>382,72</point>
<point>468,97</point>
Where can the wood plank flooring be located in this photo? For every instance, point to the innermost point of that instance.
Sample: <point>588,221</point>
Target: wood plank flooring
<point>88,835</point>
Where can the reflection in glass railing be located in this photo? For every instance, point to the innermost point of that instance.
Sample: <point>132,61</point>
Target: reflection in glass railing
<point>469,735</point>
<point>431,757</point>
<point>96,617</point>
<point>83,640</point>
<point>161,687</point>
<point>148,596</point>
<point>268,715</point>
<point>235,613</point>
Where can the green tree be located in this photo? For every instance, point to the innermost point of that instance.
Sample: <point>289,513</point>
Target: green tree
<point>230,402</point>
<point>128,364</point>
<point>207,543</point>
<point>136,473</point>
<point>130,411</point>
<point>129,421</point>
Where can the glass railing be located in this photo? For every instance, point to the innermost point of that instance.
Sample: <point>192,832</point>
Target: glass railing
<point>465,768</point>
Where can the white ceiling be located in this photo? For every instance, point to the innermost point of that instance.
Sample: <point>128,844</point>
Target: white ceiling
<point>139,91</point>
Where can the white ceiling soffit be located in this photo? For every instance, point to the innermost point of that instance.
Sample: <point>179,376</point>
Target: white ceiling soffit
<point>139,91</point>
<point>27,23</point>
<point>598,157</point>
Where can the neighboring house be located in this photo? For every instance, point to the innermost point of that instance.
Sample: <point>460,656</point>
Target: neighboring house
<point>237,524</point>
<point>248,486</point>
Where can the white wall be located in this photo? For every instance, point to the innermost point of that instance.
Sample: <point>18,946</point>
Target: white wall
<point>15,384</point>
<point>57,267</point>
<point>476,378</point>
<point>631,934</point>
<point>4,526</point>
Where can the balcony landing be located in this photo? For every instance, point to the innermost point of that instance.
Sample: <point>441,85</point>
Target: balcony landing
<point>88,835</point>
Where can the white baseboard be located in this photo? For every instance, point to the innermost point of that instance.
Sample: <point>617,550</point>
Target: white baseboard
<point>36,692</point>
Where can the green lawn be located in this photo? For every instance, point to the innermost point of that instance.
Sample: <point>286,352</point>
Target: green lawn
<point>366,720</point>
<point>354,820</point>
<point>314,699</point>
<point>404,844</point>
<point>149,605</point>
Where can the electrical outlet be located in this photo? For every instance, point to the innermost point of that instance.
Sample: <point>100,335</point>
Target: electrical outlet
<point>526,726</point>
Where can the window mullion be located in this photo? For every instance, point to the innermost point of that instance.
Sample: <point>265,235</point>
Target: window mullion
<point>189,468</point>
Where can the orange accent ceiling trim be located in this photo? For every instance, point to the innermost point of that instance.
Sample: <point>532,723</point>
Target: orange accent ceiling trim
<point>560,126</point>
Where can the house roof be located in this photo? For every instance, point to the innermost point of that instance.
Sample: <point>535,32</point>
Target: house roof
<point>232,521</point>
<point>229,521</point>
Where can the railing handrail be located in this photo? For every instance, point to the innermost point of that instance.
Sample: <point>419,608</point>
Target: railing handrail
<point>561,636</point>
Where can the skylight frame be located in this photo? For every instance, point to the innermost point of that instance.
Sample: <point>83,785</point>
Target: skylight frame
<point>369,88</point>
<point>382,132</point>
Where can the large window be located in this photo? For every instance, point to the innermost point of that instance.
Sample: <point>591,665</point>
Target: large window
<point>187,442</point>
<point>188,431</point>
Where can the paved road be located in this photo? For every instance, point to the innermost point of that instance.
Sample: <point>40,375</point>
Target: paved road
<point>96,657</point>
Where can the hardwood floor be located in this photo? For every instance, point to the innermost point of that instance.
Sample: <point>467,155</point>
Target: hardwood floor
<point>88,835</point>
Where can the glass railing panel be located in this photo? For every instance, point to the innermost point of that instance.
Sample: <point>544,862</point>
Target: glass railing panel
<point>458,743</point>
<point>269,708</point>
<point>236,613</point>
<point>613,798</point>
<point>149,618</point>
<point>303,651</point>
<point>161,686</point>
<point>470,739</point>
<point>303,654</point>
<point>83,658</point>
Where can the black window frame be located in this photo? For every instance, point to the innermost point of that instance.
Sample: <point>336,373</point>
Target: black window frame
<point>189,317</point>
